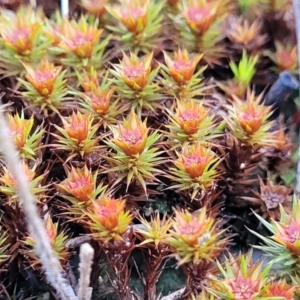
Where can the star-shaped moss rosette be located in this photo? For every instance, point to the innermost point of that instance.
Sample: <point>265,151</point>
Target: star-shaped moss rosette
<point>195,171</point>
<point>26,140</point>
<point>45,86</point>
<point>271,196</point>
<point>80,45</point>
<point>243,72</point>
<point>77,135</point>
<point>108,219</point>
<point>137,25</point>
<point>283,246</point>
<point>196,238</point>
<point>279,289</point>
<point>135,81</point>
<point>153,236</point>
<point>241,279</point>
<point>80,187</point>
<point>191,123</point>
<point>199,23</point>
<point>248,121</point>
<point>284,56</point>
<point>133,155</point>
<point>99,103</point>
<point>21,39</point>
<point>155,232</point>
<point>179,75</point>
<point>246,35</point>
<point>8,183</point>
<point>100,99</point>
<point>58,242</point>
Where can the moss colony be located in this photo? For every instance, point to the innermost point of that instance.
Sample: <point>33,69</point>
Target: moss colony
<point>149,130</point>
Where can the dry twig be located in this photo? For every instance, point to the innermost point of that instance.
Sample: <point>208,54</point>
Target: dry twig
<point>174,296</point>
<point>85,268</point>
<point>50,263</point>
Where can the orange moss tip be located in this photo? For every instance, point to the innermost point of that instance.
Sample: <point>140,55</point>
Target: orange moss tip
<point>182,67</point>
<point>78,134</point>
<point>242,278</point>
<point>285,56</point>
<point>135,71</point>
<point>196,237</point>
<point>79,37</point>
<point>100,100</point>
<point>89,80</point>
<point>43,77</point>
<point>57,240</point>
<point>248,120</point>
<point>51,229</point>
<point>79,183</point>
<point>195,159</point>
<point>133,15</point>
<point>287,234</point>
<point>109,218</point>
<point>189,227</point>
<point>189,115</point>
<point>279,289</point>
<point>131,136</point>
<point>196,170</point>
<point>252,115</point>
<point>78,126</point>
<point>8,180</point>
<point>200,15</point>
<point>20,37</point>
<point>20,129</point>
